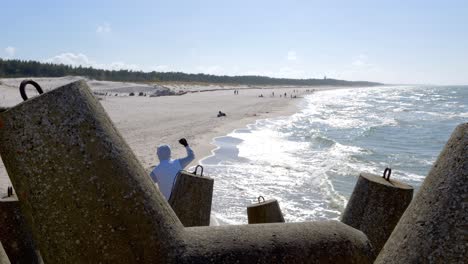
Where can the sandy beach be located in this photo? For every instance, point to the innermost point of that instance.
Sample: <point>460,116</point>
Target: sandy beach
<point>146,122</point>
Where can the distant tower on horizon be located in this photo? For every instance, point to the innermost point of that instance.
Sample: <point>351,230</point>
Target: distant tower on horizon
<point>325,77</point>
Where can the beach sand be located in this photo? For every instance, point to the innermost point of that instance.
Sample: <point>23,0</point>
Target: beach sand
<point>146,122</point>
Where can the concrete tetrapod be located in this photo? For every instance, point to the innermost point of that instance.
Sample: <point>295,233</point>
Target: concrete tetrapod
<point>308,242</point>
<point>14,233</point>
<point>3,256</point>
<point>434,228</point>
<point>81,189</point>
<point>376,205</point>
<point>89,200</point>
<point>267,211</point>
<point>191,198</point>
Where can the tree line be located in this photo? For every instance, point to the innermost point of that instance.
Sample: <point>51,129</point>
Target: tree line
<point>29,68</point>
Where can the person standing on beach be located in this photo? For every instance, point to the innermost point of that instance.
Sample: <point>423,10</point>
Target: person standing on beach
<point>165,173</point>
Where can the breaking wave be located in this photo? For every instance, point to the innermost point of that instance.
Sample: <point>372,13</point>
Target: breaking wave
<point>310,161</point>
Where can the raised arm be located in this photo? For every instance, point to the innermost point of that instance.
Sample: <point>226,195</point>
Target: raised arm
<point>184,162</point>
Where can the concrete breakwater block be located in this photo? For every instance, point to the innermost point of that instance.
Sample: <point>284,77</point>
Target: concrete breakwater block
<point>267,211</point>
<point>88,199</point>
<point>376,205</point>
<point>3,256</point>
<point>307,242</point>
<point>14,233</point>
<point>81,189</point>
<point>434,228</point>
<point>191,198</point>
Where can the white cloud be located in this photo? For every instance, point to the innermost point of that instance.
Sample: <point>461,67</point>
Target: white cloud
<point>77,59</point>
<point>83,60</point>
<point>161,68</point>
<point>118,65</point>
<point>282,72</point>
<point>213,69</point>
<point>292,56</point>
<point>104,28</point>
<point>10,51</point>
<point>71,59</point>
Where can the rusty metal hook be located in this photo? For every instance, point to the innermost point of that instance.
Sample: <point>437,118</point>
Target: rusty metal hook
<point>196,169</point>
<point>22,88</point>
<point>261,197</point>
<point>387,173</point>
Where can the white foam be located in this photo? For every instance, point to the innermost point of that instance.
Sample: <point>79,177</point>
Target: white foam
<point>311,160</point>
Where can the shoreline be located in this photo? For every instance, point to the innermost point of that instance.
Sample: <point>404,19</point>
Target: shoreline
<point>146,122</point>
<point>243,124</point>
<point>202,129</point>
<point>222,131</point>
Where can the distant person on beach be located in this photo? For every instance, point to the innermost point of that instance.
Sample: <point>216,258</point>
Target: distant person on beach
<point>165,173</point>
<point>220,114</point>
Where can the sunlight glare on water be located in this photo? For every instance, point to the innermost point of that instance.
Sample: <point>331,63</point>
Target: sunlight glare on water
<point>310,161</point>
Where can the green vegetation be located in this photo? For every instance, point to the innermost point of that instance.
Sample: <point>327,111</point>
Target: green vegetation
<point>19,68</point>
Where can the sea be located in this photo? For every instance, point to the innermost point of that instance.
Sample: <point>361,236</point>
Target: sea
<point>310,161</point>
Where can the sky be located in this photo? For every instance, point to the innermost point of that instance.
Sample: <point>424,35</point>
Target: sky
<point>405,42</point>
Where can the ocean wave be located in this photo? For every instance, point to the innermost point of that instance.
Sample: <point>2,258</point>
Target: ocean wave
<point>310,161</point>
<point>322,141</point>
<point>401,109</point>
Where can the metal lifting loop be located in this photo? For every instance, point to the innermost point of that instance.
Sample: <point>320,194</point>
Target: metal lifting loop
<point>387,173</point>
<point>9,191</point>
<point>261,197</point>
<point>196,169</point>
<point>23,86</point>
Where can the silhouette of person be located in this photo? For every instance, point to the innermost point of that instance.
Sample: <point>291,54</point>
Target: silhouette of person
<point>165,172</point>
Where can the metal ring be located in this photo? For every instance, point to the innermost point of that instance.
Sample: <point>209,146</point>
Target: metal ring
<point>196,169</point>
<point>9,191</point>
<point>261,197</point>
<point>386,174</point>
<point>23,86</point>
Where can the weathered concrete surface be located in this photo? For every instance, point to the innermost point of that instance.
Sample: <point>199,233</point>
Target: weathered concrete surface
<point>14,234</point>
<point>88,199</point>
<point>434,228</point>
<point>313,242</point>
<point>191,199</point>
<point>375,207</point>
<point>3,256</point>
<point>81,188</point>
<point>267,211</point>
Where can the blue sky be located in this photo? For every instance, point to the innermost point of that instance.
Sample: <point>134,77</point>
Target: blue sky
<point>387,41</point>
